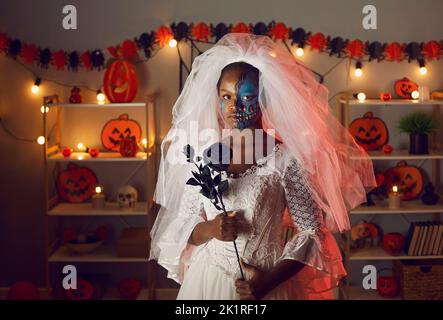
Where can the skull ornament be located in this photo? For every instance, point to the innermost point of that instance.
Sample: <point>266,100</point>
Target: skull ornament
<point>127,197</point>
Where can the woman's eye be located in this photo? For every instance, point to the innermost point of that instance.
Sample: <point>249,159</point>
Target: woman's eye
<point>247,98</point>
<point>226,97</point>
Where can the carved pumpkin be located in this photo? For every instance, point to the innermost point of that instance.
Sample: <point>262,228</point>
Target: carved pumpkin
<point>84,291</point>
<point>404,88</point>
<point>393,243</point>
<point>387,287</point>
<point>408,179</point>
<point>128,147</point>
<point>129,288</point>
<point>385,96</point>
<point>76,184</point>
<point>364,230</point>
<point>370,132</point>
<point>94,152</point>
<point>387,149</point>
<point>120,82</point>
<point>116,130</point>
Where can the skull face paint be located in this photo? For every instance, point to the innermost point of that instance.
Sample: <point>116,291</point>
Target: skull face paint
<point>238,91</point>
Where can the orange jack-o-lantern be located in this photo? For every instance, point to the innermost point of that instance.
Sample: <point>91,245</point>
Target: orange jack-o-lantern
<point>76,184</point>
<point>364,230</point>
<point>393,243</point>
<point>116,130</point>
<point>120,82</point>
<point>404,87</point>
<point>84,291</point>
<point>129,288</point>
<point>408,179</point>
<point>370,132</point>
<point>387,286</point>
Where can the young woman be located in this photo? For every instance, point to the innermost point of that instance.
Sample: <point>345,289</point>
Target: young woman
<point>246,85</point>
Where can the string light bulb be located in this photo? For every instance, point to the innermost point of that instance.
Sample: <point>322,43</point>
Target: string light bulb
<point>81,147</point>
<point>172,43</point>
<point>423,69</point>
<point>415,94</point>
<point>358,69</point>
<point>361,97</point>
<point>299,52</point>
<point>36,87</point>
<point>41,140</point>
<point>100,97</point>
<point>144,143</point>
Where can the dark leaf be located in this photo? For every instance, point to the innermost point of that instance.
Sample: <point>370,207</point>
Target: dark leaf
<point>217,179</point>
<point>192,182</point>
<point>206,171</point>
<point>223,186</point>
<point>196,175</point>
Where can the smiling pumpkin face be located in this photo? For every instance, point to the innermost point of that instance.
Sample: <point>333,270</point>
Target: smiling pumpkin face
<point>408,179</point>
<point>120,82</point>
<point>115,130</point>
<point>404,88</point>
<point>370,132</point>
<point>76,184</point>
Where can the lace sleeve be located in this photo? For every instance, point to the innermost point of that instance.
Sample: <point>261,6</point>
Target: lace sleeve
<point>173,247</point>
<point>313,244</point>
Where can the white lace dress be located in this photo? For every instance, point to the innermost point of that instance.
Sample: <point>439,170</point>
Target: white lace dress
<point>260,196</point>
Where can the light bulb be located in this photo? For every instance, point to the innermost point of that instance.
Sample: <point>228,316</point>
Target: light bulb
<point>415,94</point>
<point>361,97</point>
<point>172,43</point>
<point>36,87</point>
<point>358,69</point>
<point>81,147</point>
<point>98,189</point>
<point>395,189</point>
<point>100,97</point>
<point>44,109</point>
<point>423,70</point>
<point>299,52</point>
<point>144,142</point>
<point>41,140</point>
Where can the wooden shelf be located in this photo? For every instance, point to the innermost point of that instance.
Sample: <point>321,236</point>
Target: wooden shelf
<point>396,102</point>
<point>85,209</point>
<point>97,105</point>
<point>102,254</point>
<point>359,293</point>
<point>113,294</point>
<point>378,253</point>
<point>102,157</point>
<point>407,207</point>
<point>403,154</point>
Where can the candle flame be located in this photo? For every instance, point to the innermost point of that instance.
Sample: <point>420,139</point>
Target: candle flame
<point>98,189</point>
<point>395,189</point>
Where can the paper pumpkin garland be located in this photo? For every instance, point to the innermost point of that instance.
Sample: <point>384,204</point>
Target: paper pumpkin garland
<point>118,129</point>
<point>76,184</point>
<point>408,179</point>
<point>370,132</point>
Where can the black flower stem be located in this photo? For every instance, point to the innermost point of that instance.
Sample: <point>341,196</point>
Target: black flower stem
<point>233,241</point>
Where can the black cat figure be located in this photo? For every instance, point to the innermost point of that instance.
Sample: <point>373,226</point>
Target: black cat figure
<point>429,197</point>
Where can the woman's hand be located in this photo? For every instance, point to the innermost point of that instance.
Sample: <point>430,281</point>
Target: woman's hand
<point>224,228</point>
<point>254,288</point>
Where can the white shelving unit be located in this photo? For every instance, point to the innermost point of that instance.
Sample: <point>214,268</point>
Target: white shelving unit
<point>56,252</point>
<point>377,253</point>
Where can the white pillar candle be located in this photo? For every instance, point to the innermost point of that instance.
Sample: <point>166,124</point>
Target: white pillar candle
<point>394,198</point>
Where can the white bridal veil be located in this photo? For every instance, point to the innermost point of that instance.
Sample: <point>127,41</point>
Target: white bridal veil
<point>293,103</point>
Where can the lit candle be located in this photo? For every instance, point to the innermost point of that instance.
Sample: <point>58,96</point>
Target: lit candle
<point>394,198</point>
<point>98,199</point>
